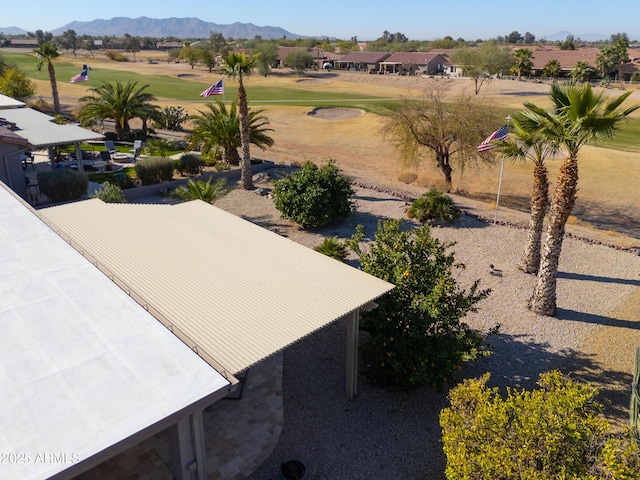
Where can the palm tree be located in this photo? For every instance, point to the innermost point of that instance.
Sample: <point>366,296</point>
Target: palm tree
<point>220,127</point>
<point>552,69</point>
<point>49,52</point>
<point>582,71</point>
<point>522,63</point>
<point>201,190</point>
<point>118,102</point>
<point>524,144</point>
<point>579,116</point>
<point>237,66</point>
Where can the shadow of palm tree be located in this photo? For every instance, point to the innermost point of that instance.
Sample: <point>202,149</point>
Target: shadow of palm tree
<point>597,278</point>
<point>517,363</point>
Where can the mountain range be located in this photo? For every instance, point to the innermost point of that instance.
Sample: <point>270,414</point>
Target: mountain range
<point>166,27</point>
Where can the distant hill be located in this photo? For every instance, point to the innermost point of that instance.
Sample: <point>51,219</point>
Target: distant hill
<point>12,31</point>
<point>171,27</point>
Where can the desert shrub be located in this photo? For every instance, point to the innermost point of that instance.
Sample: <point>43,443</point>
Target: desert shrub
<point>314,196</point>
<point>434,205</point>
<point>201,190</point>
<point>635,78</point>
<point>190,164</point>
<point>171,118</point>
<point>407,177</point>
<point>116,56</point>
<point>154,170</point>
<point>63,185</point>
<point>416,335</point>
<point>554,431</point>
<point>334,248</point>
<point>110,193</point>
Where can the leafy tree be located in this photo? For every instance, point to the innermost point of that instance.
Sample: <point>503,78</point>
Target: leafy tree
<point>522,62</point>
<point>268,56</point>
<point>70,41</point>
<point>416,334</point>
<point>582,71</point>
<point>190,55</point>
<point>48,52</point>
<point>552,69</point>
<point>612,56</point>
<point>119,102</point>
<point>529,38</point>
<point>579,116</point>
<point>201,190</point>
<point>568,44</point>
<point>481,62</point>
<point>87,43</point>
<point>15,84</point>
<point>220,127</point>
<point>171,118</point>
<point>299,61</point>
<point>524,144</point>
<point>131,44</point>
<point>314,196</point>
<point>207,56</point>
<point>238,66</point>
<point>514,37</point>
<point>430,127</point>
<point>43,37</point>
<point>218,44</point>
<point>554,431</point>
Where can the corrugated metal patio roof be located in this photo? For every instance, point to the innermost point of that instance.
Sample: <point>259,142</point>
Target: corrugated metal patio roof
<point>41,130</point>
<point>236,292</point>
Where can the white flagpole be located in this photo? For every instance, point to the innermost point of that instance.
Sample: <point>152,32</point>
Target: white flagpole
<point>495,217</point>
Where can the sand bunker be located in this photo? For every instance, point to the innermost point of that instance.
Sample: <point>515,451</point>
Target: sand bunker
<point>336,113</point>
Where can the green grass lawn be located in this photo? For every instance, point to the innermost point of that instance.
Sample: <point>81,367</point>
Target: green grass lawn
<point>174,88</point>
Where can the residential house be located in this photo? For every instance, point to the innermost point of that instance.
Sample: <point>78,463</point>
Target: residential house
<point>413,63</point>
<point>361,61</point>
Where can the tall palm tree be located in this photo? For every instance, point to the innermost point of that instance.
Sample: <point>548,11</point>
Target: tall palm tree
<point>237,66</point>
<point>47,52</point>
<point>522,62</point>
<point>552,69</point>
<point>220,127</point>
<point>119,102</point>
<point>579,115</point>
<point>524,144</point>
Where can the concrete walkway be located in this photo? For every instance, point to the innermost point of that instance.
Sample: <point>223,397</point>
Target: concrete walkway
<point>239,435</point>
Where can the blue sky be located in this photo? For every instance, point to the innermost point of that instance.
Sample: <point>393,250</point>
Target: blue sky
<point>417,19</point>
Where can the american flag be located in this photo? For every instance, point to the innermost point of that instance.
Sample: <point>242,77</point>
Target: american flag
<point>81,77</point>
<point>501,134</point>
<point>216,89</point>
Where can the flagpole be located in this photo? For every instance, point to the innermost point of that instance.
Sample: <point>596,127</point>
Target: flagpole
<point>495,216</point>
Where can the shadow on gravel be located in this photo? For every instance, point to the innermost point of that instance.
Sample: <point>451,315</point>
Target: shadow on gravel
<point>517,363</point>
<point>622,220</point>
<point>566,314</point>
<point>596,278</point>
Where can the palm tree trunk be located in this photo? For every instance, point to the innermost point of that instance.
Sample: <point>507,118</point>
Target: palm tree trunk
<point>543,300</point>
<point>246,178</point>
<point>54,87</point>
<point>530,261</point>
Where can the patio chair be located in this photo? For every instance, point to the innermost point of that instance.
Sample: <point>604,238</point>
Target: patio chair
<point>137,148</point>
<point>27,159</point>
<point>105,156</point>
<point>111,148</point>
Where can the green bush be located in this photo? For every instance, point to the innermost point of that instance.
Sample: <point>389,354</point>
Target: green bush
<point>416,336</point>
<point>110,193</point>
<point>63,185</point>
<point>554,431</point>
<point>314,196</point>
<point>190,164</point>
<point>201,190</point>
<point>434,205</point>
<point>334,248</point>
<point>155,170</point>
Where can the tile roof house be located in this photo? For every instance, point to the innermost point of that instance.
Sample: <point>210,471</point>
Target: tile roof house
<point>414,63</point>
<point>361,61</point>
